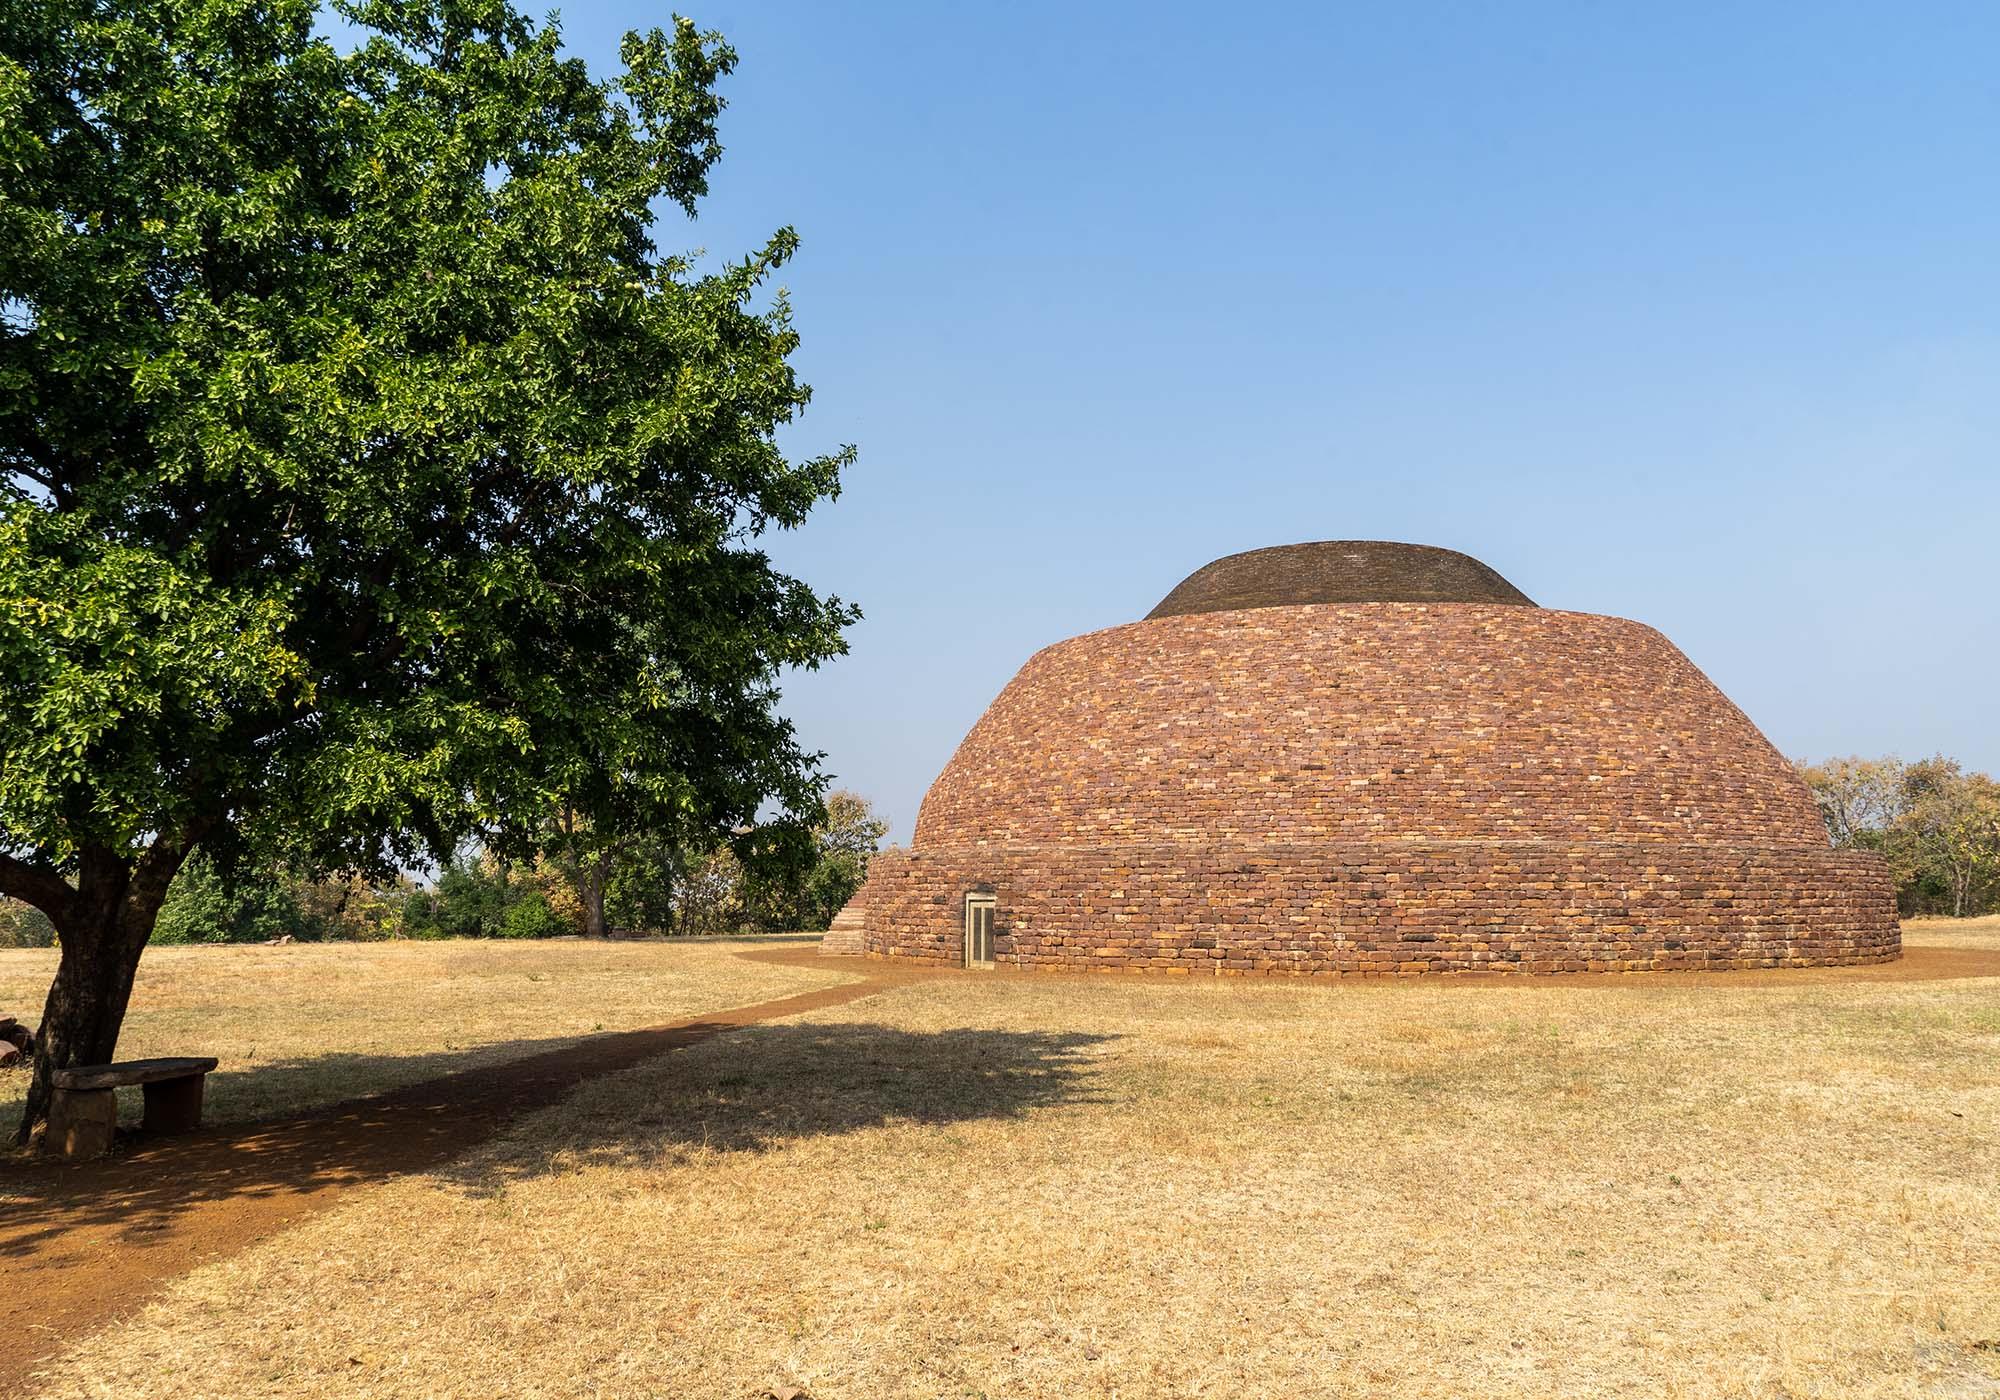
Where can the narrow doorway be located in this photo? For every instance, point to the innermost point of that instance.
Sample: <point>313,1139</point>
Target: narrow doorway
<point>979,929</point>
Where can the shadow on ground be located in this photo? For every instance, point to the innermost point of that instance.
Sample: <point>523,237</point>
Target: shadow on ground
<point>82,1243</point>
<point>239,1101</point>
<point>773,1082</point>
<point>772,1085</point>
<point>148,1183</point>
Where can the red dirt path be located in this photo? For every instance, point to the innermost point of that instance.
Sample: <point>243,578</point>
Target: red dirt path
<point>81,1244</point>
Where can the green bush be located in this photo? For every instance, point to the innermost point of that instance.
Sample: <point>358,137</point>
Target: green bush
<point>530,917</point>
<point>24,926</point>
<point>469,900</point>
<point>475,898</point>
<point>204,906</point>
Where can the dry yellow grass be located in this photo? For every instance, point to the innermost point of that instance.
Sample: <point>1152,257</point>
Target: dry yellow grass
<point>1010,1187</point>
<point>315,1023</point>
<point>1953,933</point>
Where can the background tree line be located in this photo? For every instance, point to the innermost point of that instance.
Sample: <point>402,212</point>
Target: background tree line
<point>1936,825</point>
<point>647,887</point>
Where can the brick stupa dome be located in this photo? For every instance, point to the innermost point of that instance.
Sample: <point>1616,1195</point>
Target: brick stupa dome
<point>1359,757</point>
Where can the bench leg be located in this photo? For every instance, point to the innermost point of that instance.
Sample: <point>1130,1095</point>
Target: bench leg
<point>174,1105</point>
<point>82,1122</point>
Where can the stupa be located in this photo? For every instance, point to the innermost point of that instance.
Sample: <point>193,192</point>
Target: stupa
<point>1365,758</point>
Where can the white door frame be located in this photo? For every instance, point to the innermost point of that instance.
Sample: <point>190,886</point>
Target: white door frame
<point>979,915</point>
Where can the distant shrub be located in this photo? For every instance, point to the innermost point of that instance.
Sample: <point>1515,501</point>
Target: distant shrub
<point>24,926</point>
<point>468,900</point>
<point>205,906</point>
<point>349,907</point>
<point>477,897</point>
<point>530,917</point>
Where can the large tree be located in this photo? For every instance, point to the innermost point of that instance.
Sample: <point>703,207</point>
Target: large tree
<point>1936,825</point>
<point>371,478</point>
<point>1950,823</point>
<point>804,884</point>
<point>1858,798</point>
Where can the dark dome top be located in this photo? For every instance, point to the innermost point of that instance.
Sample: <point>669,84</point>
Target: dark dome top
<point>1338,571</point>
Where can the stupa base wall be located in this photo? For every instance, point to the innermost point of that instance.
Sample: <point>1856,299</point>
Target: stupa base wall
<point>1391,909</point>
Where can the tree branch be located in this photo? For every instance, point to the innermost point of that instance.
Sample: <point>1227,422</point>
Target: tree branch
<point>37,885</point>
<point>156,868</point>
<point>41,479</point>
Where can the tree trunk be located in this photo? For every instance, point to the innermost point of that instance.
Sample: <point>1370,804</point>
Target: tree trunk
<point>590,890</point>
<point>110,920</point>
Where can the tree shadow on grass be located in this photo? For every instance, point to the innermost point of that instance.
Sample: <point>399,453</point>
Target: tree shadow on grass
<point>82,1241</point>
<point>300,1086</point>
<point>239,1100</point>
<point>767,1082</point>
<point>772,1085</point>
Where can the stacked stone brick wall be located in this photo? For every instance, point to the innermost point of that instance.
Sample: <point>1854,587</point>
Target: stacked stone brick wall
<point>1447,720</point>
<point>1392,908</point>
<point>1377,788</point>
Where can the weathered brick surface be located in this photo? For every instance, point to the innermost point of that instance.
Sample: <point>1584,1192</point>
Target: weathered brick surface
<point>1363,721</point>
<point>1392,907</point>
<point>1376,788</point>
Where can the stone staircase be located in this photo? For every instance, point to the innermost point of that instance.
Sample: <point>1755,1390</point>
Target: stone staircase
<point>843,936</point>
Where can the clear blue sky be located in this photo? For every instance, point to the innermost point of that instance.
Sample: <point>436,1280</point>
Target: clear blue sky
<point>1685,313</point>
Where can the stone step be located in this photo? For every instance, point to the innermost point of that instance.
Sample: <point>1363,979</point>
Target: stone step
<point>843,936</point>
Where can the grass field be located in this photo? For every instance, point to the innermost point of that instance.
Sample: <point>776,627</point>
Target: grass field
<point>1017,1187</point>
<point>1953,933</point>
<point>314,1023</point>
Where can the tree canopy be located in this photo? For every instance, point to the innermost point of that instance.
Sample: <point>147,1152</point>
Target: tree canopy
<point>371,477</point>
<point>1937,826</point>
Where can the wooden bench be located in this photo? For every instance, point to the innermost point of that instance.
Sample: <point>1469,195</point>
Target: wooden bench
<point>84,1114</point>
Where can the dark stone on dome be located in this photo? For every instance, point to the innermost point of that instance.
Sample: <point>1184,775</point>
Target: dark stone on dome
<point>1338,571</point>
